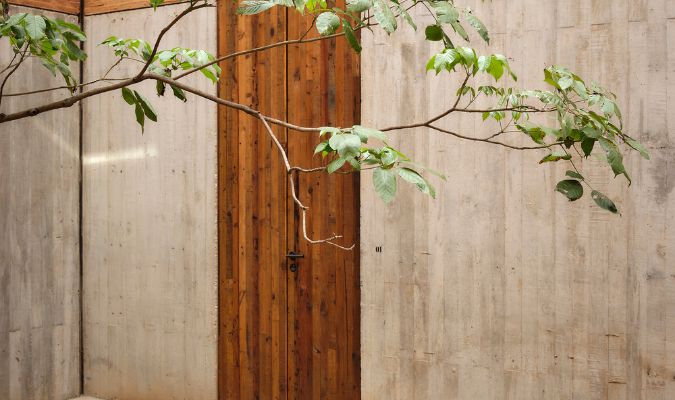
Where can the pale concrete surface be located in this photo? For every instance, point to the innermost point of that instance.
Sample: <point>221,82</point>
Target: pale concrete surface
<point>39,241</point>
<point>501,288</point>
<point>150,251</point>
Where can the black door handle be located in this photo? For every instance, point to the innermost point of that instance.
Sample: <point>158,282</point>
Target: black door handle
<point>293,255</point>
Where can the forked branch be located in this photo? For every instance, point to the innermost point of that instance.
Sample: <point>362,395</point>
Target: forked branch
<point>296,199</point>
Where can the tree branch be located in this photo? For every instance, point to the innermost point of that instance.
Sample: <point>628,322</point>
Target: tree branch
<point>301,40</point>
<point>303,208</point>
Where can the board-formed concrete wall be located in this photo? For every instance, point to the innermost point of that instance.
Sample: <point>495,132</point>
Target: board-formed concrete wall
<point>149,229</point>
<point>501,288</point>
<point>39,241</point>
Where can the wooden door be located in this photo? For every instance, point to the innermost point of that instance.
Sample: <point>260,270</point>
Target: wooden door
<point>284,334</point>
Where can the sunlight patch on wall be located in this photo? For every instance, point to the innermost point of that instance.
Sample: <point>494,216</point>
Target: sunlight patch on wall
<point>137,153</point>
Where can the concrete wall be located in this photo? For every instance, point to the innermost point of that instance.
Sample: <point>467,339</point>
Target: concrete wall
<point>501,288</point>
<point>150,264</point>
<point>39,242</point>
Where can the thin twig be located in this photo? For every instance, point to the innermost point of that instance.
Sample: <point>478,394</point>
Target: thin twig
<point>163,32</point>
<point>307,170</point>
<point>303,208</point>
<point>12,71</point>
<point>11,63</point>
<point>473,139</point>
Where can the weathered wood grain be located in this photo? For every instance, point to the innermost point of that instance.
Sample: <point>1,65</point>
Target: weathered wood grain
<point>93,7</point>
<point>284,334</point>
<point>39,242</point>
<point>501,288</point>
<point>63,6</point>
<point>324,349</point>
<point>150,229</point>
<point>252,211</point>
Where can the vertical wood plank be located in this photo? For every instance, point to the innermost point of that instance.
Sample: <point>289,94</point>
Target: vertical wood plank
<point>323,89</point>
<point>285,334</point>
<point>252,211</point>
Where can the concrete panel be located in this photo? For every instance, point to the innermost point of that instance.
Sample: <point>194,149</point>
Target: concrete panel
<point>150,255</point>
<point>501,288</point>
<point>39,241</point>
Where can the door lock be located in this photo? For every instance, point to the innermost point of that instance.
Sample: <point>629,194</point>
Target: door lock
<point>294,256</point>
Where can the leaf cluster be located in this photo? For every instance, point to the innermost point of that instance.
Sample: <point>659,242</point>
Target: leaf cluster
<point>55,42</point>
<point>163,63</point>
<point>349,148</point>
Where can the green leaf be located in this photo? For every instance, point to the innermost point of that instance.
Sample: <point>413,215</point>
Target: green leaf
<point>587,146</point>
<point>535,132</point>
<point>459,29</point>
<point>250,7</point>
<point>571,188</point>
<point>468,54</point>
<point>156,3</point>
<point>74,29</point>
<point>35,26</point>
<point>312,5</point>
<point>351,37</point>
<point>358,6</point>
<point>161,88</point>
<point>140,116</point>
<point>496,69</point>
<point>13,20</point>
<point>433,33</point>
<point>329,129</point>
<point>346,144</point>
<point>565,82</point>
<point>384,16</point>
<point>484,63</point>
<point>614,158</point>
<point>366,133</point>
<point>604,202</point>
<point>406,16</point>
<point>555,156</point>
<point>447,59</point>
<point>321,147</point>
<point>388,157</point>
<point>146,106</point>
<point>300,5</point>
<point>548,78</point>
<point>574,174</point>
<point>178,93</point>
<point>445,12</point>
<point>210,75</point>
<point>335,165</point>
<point>477,24</point>
<point>415,178</point>
<point>128,96</point>
<point>327,23</point>
<point>354,163</point>
<point>385,185</point>
<point>639,147</point>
